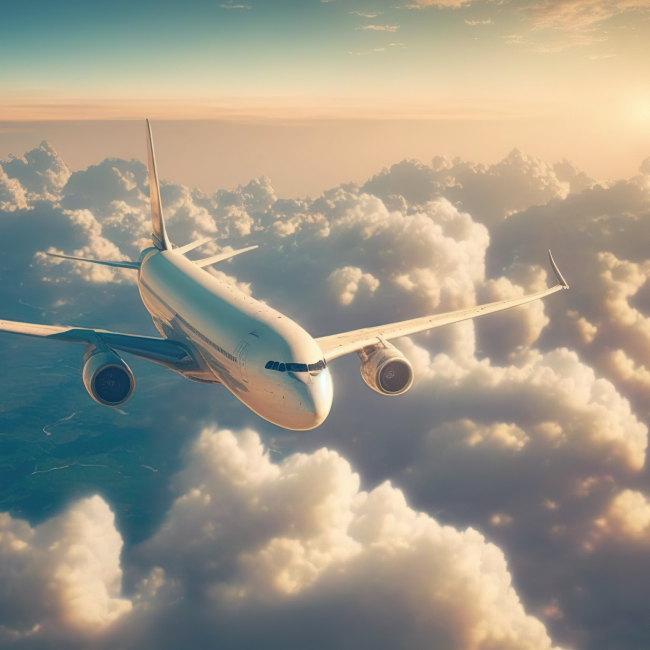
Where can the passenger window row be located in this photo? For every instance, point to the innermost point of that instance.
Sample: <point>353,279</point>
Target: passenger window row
<point>295,367</point>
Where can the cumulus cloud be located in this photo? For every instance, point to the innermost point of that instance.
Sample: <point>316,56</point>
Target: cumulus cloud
<point>292,542</point>
<point>629,513</point>
<point>299,540</point>
<point>12,194</point>
<point>62,579</point>
<point>488,193</point>
<point>588,413</point>
<point>345,283</point>
<point>518,329</point>
<point>41,172</point>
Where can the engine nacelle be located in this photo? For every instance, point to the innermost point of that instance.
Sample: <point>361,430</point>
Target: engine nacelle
<point>108,380</point>
<point>385,369</point>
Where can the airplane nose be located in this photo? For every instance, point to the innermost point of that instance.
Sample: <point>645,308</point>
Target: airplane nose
<point>314,402</point>
<point>321,395</point>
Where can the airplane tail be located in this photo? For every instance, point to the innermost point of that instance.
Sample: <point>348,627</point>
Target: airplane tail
<point>158,234</point>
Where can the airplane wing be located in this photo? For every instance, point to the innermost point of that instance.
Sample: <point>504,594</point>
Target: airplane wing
<point>339,344</point>
<point>163,351</point>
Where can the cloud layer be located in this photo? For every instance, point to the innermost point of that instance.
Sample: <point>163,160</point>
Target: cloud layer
<point>254,552</point>
<point>525,434</point>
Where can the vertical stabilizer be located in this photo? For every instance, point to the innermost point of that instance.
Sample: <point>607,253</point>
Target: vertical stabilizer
<point>158,234</point>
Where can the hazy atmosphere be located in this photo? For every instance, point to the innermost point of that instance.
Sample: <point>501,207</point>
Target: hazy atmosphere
<point>390,162</point>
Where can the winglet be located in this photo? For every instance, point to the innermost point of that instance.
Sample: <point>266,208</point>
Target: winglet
<point>558,275</point>
<point>159,234</point>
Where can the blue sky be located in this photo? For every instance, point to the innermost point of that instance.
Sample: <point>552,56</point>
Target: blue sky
<point>315,55</point>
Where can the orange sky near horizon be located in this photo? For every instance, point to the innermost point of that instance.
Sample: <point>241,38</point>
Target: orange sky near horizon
<point>314,93</point>
<point>306,157</point>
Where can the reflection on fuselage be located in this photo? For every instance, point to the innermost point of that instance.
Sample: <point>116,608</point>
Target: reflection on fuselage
<point>234,336</point>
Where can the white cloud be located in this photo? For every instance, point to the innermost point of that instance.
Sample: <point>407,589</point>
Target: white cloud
<point>588,414</point>
<point>488,193</point>
<point>62,579</point>
<point>41,172</point>
<point>517,329</point>
<point>629,514</point>
<point>98,248</point>
<point>299,539</point>
<point>12,194</point>
<point>346,281</point>
<point>381,28</point>
<point>249,538</point>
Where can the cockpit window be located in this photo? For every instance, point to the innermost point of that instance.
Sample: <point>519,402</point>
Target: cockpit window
<point>314,368</point>
<point>297,367</point>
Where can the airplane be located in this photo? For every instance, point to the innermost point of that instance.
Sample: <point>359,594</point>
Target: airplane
<point>213,333</point>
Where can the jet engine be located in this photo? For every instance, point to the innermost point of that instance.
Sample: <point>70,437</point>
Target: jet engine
<point>108,380</point>
<point>385,369</point>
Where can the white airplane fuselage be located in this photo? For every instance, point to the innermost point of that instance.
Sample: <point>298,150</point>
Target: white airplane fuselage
<point>236,337</point>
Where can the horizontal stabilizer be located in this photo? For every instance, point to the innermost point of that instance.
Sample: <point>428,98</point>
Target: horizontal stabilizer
<point>191,246</point>
<point>222,256</point>
<point>122,265</point>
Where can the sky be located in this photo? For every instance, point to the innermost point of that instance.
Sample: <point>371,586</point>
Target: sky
<point>338,58</point>
<point>556,78</point>
<point>504,500</point>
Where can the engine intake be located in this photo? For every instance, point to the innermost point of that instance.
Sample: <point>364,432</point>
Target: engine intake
<point>385,369</point>
<point>107,378</point>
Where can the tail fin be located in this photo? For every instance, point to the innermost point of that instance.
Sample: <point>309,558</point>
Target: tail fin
<point>159,234</point>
